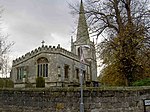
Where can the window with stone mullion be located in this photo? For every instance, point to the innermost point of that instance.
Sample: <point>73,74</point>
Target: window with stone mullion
<point>20,73</point>
<point>43,70</point>
<point>38,70</point>
<point>42,67</point>
<point>46,70</point>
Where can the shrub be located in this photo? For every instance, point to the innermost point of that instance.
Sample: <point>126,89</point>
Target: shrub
<point>6,83</point>
<point>40,82</point>
<point>9,83</point>
<point>1,83</point>
<point>143,82</point>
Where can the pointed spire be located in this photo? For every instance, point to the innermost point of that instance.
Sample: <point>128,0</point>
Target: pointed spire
<point>81,8</point>
<point>82,31</point>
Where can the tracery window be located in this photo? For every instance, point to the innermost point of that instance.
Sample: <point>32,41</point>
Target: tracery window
<point>42,67</point>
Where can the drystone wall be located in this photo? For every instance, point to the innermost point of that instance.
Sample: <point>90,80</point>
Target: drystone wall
<point>68,100</point>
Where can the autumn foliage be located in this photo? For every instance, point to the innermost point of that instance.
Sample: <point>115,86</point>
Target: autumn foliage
<point>125,50</point>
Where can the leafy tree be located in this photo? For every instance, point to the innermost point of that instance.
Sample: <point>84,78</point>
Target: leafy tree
<point>110,76</point>
<point>126,26</point>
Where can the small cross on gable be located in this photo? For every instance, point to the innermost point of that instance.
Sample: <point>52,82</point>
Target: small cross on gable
<point>43,42</point>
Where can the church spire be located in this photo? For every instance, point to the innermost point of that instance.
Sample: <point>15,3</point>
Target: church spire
<point>82,31</point>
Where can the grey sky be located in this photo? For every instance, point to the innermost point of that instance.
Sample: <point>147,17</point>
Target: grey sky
<point>30,21</point>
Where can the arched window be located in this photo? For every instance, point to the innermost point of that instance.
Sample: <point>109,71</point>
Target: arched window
<point>66,71</point>
<point>77,73</point>
<point>79,52</point>
<point>42,67</point>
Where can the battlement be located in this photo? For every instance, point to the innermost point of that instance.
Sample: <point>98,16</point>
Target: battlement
<point>45,49</point>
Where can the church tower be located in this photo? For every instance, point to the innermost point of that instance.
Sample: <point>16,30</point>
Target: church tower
<point>83,38</point>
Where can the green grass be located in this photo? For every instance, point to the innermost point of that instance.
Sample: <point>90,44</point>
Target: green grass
<point>144,82</point>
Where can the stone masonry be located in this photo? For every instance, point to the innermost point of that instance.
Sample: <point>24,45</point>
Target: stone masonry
<point>117,99</point>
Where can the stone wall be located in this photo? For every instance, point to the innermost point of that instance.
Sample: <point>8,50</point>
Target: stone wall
<point>68,99</point>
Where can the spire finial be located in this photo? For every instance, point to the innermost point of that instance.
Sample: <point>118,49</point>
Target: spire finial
<point>81,8</point>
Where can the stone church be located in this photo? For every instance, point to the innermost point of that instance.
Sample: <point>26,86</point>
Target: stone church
<point>58,66</point>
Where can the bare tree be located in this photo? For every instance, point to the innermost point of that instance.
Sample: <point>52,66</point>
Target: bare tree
<point>4,49</point>
<point>113,15</point>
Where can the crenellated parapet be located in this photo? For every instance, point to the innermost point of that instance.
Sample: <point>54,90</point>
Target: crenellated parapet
<point>45,49</point>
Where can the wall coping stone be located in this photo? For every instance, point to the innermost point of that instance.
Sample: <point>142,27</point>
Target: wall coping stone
<point>76,89</point>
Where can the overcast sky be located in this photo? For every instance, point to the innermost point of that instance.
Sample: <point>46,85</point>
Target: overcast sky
<point>28,22</point>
